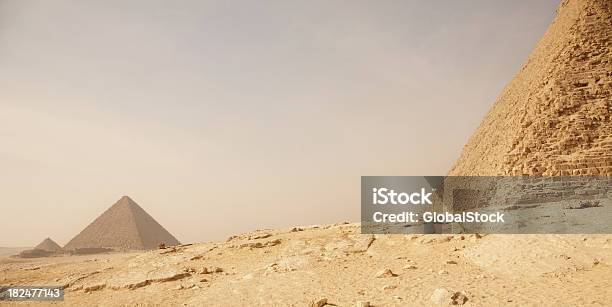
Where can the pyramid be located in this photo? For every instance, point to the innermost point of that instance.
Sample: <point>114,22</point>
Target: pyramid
<point>48,245</point>
<point>553,118</point>
<point>124,226</point>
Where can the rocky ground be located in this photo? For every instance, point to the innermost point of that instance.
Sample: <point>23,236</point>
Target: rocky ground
<point>336,265</point>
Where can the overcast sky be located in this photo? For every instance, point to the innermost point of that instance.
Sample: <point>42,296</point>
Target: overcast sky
<point>221,117</point>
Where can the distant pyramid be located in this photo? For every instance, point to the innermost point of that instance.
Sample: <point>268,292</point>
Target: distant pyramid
<point>124,226</point>
<point>553,118</point>
<point>48,245</point>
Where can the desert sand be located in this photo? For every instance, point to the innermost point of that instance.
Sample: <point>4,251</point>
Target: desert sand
<point>294,267</point>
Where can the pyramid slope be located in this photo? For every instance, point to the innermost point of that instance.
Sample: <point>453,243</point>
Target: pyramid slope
<point>48,245</point>
<point>124,226</point>
<point>553,118</point>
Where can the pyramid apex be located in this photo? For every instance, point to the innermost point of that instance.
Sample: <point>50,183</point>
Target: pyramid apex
<point>125,200</point>
<point>125,197</point>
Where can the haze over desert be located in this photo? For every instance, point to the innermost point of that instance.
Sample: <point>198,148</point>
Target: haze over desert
<point>552,119</point>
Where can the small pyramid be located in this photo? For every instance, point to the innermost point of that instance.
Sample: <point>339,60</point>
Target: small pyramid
<point>124,226</point>
<point>48,245</point>
<point>554,117</point>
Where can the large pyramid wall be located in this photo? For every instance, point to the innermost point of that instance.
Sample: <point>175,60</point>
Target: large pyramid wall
<point>554,117</point>
<point>124,226</point>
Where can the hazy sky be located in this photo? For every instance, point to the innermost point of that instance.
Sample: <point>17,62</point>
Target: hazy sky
<point>221,117</point>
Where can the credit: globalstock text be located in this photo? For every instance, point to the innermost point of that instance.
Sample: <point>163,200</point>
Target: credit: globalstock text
<point>384,196</point>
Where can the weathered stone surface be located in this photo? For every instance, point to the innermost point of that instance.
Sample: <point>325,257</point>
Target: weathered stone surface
<point>210,270</point>
<point>553,118</point>
<point>251,245</point>
<point>349,244</point>
<point>94,287</point>
<point>138,279</point>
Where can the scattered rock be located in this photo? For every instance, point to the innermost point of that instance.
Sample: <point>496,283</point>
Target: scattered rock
<point>443,297</point>
<point>168,251</point>
<point>252,245</point>
<point>410,267</point>
<point>442,272</point>
<point>273,242</point>
<point>210,270</point>
<point>361,243</point>
<point>451,262</point>
<point>583,204</point>
<point>434,239</point>
<point>80,278</point>
<point>475,237</point>
<point>135,280</point>
<point>320,302</point>
<point>459,298</point>
<point>171,278</point>
<point>261,236</point>
<point>389,287</point>
<point>385,273</point>
<point>95,287</point>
